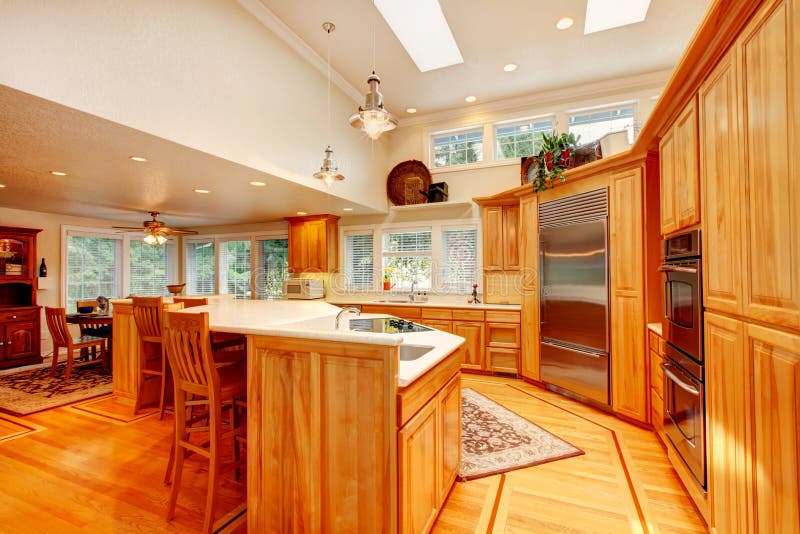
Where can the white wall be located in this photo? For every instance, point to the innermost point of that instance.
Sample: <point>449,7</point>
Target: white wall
<point>205,74</point>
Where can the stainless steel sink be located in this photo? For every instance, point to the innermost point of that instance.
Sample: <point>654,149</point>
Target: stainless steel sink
<point>409,353</point>
<point>395,301</point>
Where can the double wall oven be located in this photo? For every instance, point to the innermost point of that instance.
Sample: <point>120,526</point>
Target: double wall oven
<point>684,373</point>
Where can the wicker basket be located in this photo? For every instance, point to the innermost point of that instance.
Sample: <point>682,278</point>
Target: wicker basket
<point>408,183</point>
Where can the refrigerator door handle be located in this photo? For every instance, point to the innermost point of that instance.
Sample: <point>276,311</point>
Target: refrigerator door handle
<point>594,355</point>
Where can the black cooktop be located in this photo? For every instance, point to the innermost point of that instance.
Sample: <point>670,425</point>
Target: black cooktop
<point>387,325</point>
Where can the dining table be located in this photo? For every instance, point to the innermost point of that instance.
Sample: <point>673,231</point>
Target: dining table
<point>95,320</point>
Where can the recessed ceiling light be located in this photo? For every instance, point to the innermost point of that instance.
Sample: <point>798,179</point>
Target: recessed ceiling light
<point>140,159</point>
<point>606,14</point>
<point>258,184</point>
<point>470,99</point>
<point>343,209</point>
<point>2,186</point>
<point>302,213</point>
<point>423,31</point>
<point>564,23</point>
<point>58,173</point>
<point>201,191</point>
<point>411,110</point>
<point>511,67</point>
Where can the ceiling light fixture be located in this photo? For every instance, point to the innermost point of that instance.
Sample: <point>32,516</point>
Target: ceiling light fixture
<point>138,159</point>
<point>511,67</point>
<point>301,213</point>
<point>154,238</point>
<point>411,110</point>
<point>372,118</point>
<point>258,184</point>
<point>343,209</point>
<point>606,14</point>
<point>564,23</point>
<point>2,186</point>
<point>470,99</point>
<point>423,31</point>
<point>201,191</point>
<point>58,173</point>
<point>329,172</point>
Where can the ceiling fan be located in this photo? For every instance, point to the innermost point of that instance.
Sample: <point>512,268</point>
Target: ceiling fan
<point>156,230</point>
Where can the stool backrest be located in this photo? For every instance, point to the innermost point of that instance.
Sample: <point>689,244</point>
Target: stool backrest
<point>187,341</point>
<point>191,302</point>
<point>148,312</point>
<point>57,324</point>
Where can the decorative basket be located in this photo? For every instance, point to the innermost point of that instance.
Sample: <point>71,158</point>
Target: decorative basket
<point>408,183</point>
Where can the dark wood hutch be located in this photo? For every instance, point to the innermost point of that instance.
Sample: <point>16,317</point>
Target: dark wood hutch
<point>20,317</point>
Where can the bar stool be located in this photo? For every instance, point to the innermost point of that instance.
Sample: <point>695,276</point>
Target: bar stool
<point>148,313</point>
<point>198,382</point>
<point>228,348</point>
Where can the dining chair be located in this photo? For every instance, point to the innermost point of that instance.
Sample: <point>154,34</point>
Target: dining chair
<point>90,328</point>
<point>148,314</point>
<point>57,325</point>
<point>199,383</point>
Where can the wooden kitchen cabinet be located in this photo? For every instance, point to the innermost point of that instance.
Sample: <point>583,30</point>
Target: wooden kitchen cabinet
<point>444,326</point>
<point>529,315</point>
<point>21,340</point>
<point>501,238</point>
<point>680,181</point>
<point>511,237</point>
<point>449,401</point>
<point>313,243</point>
<point>656,383</point>
<point>474,346</point>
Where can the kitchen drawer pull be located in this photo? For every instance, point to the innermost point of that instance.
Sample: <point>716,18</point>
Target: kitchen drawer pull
<point>13,316</point>
<point>683,385</point>
<point>594,355</point>
<point>677,269</point>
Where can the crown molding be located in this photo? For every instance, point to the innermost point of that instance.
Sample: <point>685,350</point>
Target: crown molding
<point>271,21</point>
<point>551,97</point>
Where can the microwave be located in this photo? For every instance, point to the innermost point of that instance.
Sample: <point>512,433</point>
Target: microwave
<point>303,288</point>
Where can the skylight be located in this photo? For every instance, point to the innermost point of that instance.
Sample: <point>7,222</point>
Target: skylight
<point>423,31</point>
<point>606,14</point>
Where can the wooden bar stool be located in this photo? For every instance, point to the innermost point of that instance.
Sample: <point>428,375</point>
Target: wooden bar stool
<point>148,313</point>
<point>227,347</point>
<point>199,382</point>
<point>57,324</point>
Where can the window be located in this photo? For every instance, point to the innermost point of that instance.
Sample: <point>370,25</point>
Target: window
<point>272,260</point>
<point>234,268</point>
<point>93,268</point>
<point>358,262</point>
<point>592,125</point>
<point>149,268</point>
<point>457,148</point>
<point>407,258</point>
<point>519,140</point>
<point>459,259</point>
<point>199,269</point>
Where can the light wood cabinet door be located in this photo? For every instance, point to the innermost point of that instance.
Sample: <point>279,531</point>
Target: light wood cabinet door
<point>728,408</point>
<point>419,476</point>
<point>493,238</point>
<point>666,152</point>
<point>298,256</point>
<point>444,326</point>
<point>770,104</point>
<point>776,425</point>
<point>474,346</point>
<point>511,238</point>
<point>502,360</point>
<point>723,192</point>
<point>629,389</point>
<point>449,434</point>
<point>316,246</point>
<point>687,180</point>
<point>529,251</point>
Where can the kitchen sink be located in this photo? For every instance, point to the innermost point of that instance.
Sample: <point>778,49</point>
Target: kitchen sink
<point>395,301</point>
<point>409,353</point>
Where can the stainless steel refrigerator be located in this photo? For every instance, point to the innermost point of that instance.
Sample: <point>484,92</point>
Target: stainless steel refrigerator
<point>574,301</point>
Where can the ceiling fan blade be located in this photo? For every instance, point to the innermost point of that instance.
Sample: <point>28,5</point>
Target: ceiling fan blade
<point>129,228</point>
<point>178,231</point>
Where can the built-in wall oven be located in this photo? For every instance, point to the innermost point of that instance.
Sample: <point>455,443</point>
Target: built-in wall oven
<point>684,374</point>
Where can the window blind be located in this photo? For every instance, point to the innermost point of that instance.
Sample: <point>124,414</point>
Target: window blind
<point>407,242</point>
<point>273,267</point>
<point>234,266</point>
<point>199,270</point>
<point>407,258</point>
<point>358,260</point>
<point>459,259</point>
<point>148,269</point>
<point>92,268</point>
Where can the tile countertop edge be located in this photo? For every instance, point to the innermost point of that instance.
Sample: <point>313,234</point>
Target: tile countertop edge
<point>656,328</point>
<point>340,301</point>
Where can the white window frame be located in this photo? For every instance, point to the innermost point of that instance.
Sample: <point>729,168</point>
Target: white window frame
<point>486,156</point>
<point>605,107</point>
<point>343,245</point>
<point>517,122</point>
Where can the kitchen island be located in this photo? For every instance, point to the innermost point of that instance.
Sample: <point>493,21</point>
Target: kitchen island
<point>347,431</point>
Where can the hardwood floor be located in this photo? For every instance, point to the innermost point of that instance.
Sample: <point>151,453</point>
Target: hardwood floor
<point>68,470</point>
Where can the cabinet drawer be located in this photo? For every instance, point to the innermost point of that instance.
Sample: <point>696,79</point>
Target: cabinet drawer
<point>444,326</point>
<point>502,316</point>
<point>503,335</point>
<point>467,315</point>
<point>437,313</point>
<point>503,360</point>
<point>19,315</point>
<point>404,312</point>
<point>656,411</point>
<point>656,374</point>
<point>655,343</point>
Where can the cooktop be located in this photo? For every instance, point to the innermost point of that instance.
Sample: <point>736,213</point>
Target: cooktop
<point>387,325</point>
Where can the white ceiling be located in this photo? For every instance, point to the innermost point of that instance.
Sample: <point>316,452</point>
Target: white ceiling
<point>491,34</point>
<point>38,136</point>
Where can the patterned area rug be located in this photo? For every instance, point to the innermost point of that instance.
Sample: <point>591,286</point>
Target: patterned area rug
<point>495,440</point>
<point>33,390</point>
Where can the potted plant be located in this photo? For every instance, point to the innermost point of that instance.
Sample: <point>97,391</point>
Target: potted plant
<point>387,279</point>
<point>553,159</point>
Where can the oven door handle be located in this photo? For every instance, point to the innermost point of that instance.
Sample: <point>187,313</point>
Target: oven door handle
<point>677,269</point>
<point>683,385</point>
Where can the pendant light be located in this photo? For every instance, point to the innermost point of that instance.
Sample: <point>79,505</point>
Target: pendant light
<point>329,171</point>
<point>373,119</point>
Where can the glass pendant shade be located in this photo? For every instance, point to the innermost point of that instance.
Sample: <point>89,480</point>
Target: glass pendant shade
<point>372,118</point>
<point>154,239</point>
<point>329,171</point>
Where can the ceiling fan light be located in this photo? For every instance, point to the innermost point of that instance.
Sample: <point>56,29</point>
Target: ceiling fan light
<point>150,239</point>
<point>160,239</point>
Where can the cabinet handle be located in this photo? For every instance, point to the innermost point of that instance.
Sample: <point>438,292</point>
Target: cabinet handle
<point>13,316</point>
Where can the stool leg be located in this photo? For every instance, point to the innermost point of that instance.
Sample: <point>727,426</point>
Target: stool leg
<point>55,360</point>
<point>163,396</point>
<point>179,453</point>
<point>215,413</point>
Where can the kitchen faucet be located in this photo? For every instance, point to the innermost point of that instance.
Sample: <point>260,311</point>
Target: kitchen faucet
<point>413,286</point>
<point>345,310</point>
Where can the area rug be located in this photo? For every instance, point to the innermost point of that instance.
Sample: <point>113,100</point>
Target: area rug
<point>495,440</point>
<point>34,390</point>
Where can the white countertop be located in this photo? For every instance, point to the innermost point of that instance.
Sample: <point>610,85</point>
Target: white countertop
<point>435,301</point>
<point>655,327</point>
<point>169,300</point>
<point>315,319</point>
